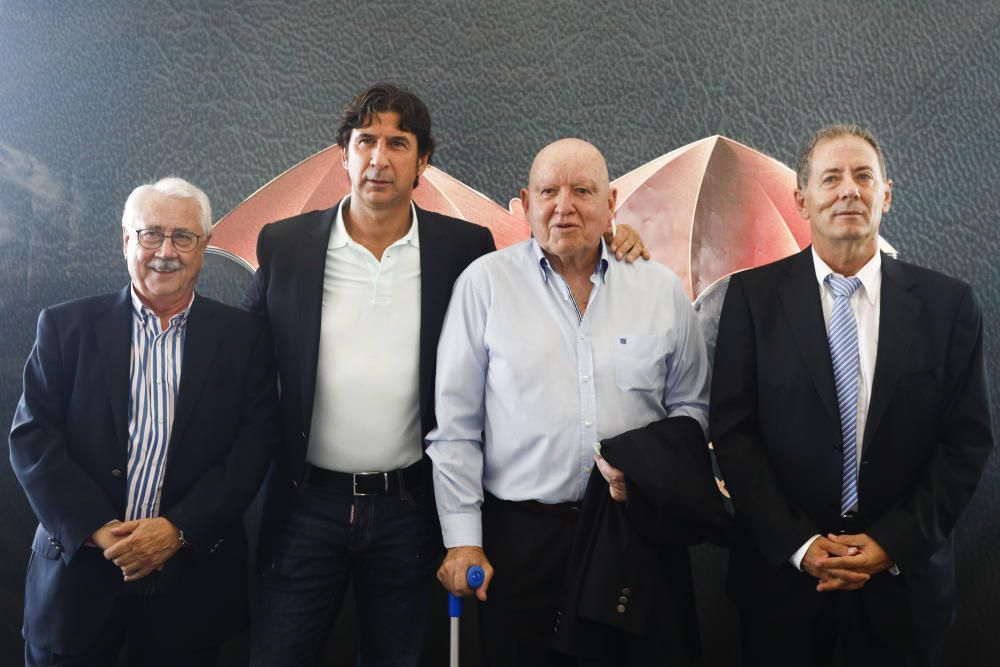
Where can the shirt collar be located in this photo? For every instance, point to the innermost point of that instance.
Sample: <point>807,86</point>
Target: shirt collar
<point>142,312</point>
<point>870,275</point>
<point>339,237</point>
<point>600,270</point>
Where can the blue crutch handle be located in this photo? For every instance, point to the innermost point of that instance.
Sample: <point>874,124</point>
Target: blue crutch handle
<point>474,576</point>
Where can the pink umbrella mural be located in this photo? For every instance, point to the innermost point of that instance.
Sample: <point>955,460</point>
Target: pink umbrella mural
<point>706,210</point>
<point>320,181</point>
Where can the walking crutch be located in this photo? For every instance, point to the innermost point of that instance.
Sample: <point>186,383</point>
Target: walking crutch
<point>474,577</point>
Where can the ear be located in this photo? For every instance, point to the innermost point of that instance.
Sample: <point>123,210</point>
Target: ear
<point>524,201</point>
<point>800,204</point>
<point>422,162</point>
<point>612,200</point>
<point>888,196</point>
<point>124,241</point>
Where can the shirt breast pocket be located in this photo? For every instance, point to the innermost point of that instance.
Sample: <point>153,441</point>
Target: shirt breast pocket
<point>640,362</point>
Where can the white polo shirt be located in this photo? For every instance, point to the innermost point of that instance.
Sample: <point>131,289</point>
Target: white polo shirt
<point>366,412</point>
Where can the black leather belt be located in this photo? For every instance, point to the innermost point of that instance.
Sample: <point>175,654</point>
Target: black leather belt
<point>549,508</point>
<point>365,483</point>
<point>535,506</point>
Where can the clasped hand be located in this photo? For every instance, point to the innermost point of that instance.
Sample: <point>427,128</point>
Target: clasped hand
<point>845,562</point>
<point>138,547</point>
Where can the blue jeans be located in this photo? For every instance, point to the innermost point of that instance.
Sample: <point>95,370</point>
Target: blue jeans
<point>383,543</point>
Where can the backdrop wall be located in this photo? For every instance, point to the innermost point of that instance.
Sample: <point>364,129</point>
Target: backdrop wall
<point>97,97</point>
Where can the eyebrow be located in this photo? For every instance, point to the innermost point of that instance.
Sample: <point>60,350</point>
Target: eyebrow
<point>837,170</point>
<point>371,135</point>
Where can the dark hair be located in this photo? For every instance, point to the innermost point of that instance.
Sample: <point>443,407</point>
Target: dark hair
<point>832,132</point>
<point>413,115</point>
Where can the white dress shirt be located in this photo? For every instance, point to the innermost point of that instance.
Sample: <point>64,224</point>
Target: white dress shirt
<point>526,387</point>
<point>865,303</point>
<point>366,410</point>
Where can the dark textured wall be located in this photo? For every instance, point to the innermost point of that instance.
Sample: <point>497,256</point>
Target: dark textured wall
<point>98,96</point>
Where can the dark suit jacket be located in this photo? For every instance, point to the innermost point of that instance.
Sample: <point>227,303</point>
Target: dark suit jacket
<point>288,291</point>
<point>775,425</point>
<point>628,585</point>
<point>69,450</point>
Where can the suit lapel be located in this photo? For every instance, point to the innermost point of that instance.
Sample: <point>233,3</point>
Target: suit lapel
<point>435,290</point>
<point>897,321</point>
<point>804,312</point>
<point>200,343</point>
<point>114,343</point>
<point>310,259</point>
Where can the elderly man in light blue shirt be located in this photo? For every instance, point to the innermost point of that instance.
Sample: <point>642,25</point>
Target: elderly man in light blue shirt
<point>547,349</point>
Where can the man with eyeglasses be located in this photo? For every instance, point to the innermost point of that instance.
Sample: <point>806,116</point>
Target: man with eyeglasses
<point>145,428</point>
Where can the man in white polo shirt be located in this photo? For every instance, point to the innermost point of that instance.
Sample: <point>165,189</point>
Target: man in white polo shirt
<point>350,497</point>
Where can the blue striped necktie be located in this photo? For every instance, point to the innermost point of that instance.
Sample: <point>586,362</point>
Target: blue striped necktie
<point>843,336</point>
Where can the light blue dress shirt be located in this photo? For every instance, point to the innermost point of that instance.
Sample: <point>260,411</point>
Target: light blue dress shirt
<point>526,387</point>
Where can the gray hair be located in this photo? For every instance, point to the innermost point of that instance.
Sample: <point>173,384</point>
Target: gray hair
<point>832,132</point>
<point>171,186</point>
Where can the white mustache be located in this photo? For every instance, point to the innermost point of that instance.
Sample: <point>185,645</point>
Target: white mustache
<point>164,265</point>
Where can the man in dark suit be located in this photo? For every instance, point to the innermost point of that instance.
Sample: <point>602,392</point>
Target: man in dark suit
<point>350,498</point>
<point>145,429</point>
<point>850,416</point>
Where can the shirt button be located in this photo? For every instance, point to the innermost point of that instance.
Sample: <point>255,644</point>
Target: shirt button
<point>588,423</point>
<point>586,378</point>
<point>587,469</point>
<point>581,337</point>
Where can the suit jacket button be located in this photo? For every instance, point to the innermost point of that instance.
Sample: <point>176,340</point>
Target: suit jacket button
<point>115,472</point>
<point>622,600</point>
<point>626,591</point>
<point>620,609</point>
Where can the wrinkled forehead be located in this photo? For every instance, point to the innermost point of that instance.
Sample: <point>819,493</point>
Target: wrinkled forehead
<point>569,168</point>
<point>382,123</point>
<point>171,213</point>
<point>844,152</point>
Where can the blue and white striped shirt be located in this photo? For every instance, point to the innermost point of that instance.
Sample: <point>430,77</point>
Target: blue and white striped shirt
<point>154,378</point>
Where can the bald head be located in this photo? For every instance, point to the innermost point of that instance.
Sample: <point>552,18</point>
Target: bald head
<point>569,202</point>
<point>570,151</point>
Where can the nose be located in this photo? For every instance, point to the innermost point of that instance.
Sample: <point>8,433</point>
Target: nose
<point>849,189</point>
<point>166,249</point>
<point>564,202</point>
<point>378,159</point>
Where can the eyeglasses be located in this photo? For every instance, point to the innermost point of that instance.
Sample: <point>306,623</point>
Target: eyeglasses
<point>152,239</point>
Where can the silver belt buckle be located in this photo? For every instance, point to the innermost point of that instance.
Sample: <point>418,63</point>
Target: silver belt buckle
<point>354,483</point>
